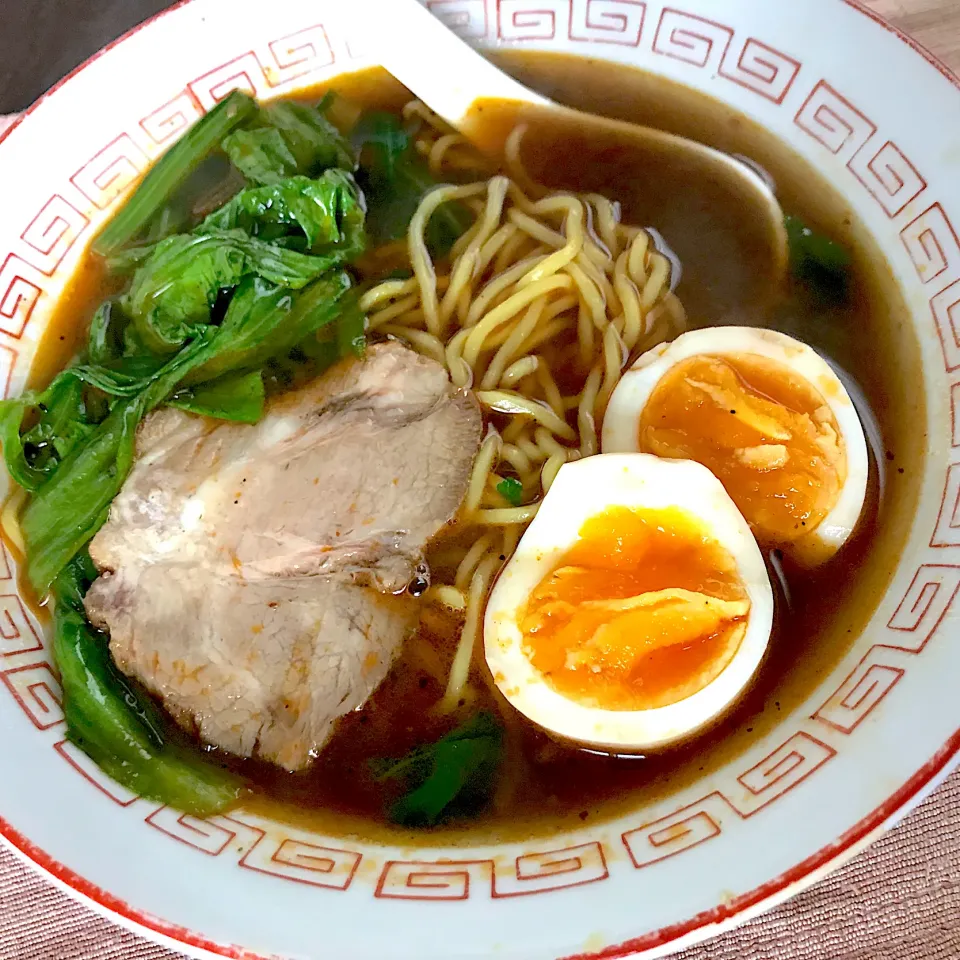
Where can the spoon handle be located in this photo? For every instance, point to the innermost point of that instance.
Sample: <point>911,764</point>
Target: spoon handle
<point>446,73</point>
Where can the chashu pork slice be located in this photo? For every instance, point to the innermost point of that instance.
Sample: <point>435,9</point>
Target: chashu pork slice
<point>255,577</point>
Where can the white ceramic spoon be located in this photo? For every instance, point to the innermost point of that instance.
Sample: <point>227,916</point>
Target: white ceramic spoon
<point>560,143</point>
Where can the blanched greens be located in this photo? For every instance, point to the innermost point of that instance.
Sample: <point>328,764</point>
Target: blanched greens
<point>511,489</point>
<point>173,293</point>
<point>820,264</point>
<point>452,776</point>
<point>327,210</point>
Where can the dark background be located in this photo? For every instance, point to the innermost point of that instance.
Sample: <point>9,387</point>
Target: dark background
<point>41,40</point>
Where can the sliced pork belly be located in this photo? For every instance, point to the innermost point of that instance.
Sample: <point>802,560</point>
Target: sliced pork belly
<point>255,577</point>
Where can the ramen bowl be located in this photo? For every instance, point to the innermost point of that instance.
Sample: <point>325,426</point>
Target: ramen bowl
<point>875,726</point>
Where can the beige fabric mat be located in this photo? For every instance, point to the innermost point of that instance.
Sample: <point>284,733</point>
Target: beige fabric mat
<point>898,901</point>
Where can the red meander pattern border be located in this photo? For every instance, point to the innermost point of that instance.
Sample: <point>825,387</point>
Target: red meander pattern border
<point>822,112</point>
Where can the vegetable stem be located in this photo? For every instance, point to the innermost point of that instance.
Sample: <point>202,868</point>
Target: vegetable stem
<point>173,169</point>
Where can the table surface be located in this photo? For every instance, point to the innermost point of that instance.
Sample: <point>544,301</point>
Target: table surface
<point>898,901</point>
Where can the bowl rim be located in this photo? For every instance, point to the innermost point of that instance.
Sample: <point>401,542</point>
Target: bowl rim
<point>661,942</point>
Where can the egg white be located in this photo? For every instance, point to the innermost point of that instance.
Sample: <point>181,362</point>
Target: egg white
<point>621,422</point>
<point>582,490</point>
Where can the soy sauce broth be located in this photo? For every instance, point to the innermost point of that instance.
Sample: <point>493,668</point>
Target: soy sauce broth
<point>544,787</point>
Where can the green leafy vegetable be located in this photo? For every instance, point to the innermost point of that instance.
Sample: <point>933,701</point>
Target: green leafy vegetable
<point>173,293</point>
<point>817,261</point>
<point>511,490</point>
<point>262,155</point>
<point>447,777</point>
<point>351,329</point>
<point>239,397</point>
<point>105,340</point>
<point>111,721</point>
<point>61,421</point>
<point>172,170</point>
<point>312,139</point>
<point>265,321</point>
<point>395,179</point>
<point>328,211</point>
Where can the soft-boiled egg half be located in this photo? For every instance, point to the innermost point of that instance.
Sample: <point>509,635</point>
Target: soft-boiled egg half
<point>767,415</point>
<point>635,609</point>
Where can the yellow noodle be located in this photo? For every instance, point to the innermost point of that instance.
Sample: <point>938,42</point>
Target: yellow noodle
<point>551,391</point>
<point>486,297</point>
<point>507,515</point>
<point>486,458</point>
<point>608,219</point>
<point>494,246</point>
<point>599,278</point>
<point>613,356</point>
<point>541,281</point>
<point>508,309</point>
<point>545,333</point>
<point>460,371</point>
<point>516,248</point>
<point>505,355</point>
<point>515,404</point>
<point>636,264</point>
<point>548,444</point>
<point>560,305</point>
<point>463,658</point>
<point>466,265</point>
<point>536,229</point>
<point>518,370</point>
<point>517,459</point>
<point>514,430</point>
<point>440,148</point>
<point>447,596</point>
<point>420,340</point>
<point>573,228</point>
<point>511,156</point>
<point>585,418</point>
<point>549,472</point>
<point>396,309</point>
<point>388,290</point>
<point>673,309</point>
<point>511,537</point>
<point>530,449</point>
<point>629,300</point>
<point>423,268</point>
<point>589,294</point>
<point>470,560</point>
<point>659,278</point>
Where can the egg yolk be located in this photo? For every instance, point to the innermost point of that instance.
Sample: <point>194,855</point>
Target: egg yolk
<point>766,433</point>
<point>645,609</point>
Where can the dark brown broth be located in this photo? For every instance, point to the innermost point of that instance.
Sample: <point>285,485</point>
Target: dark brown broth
<point>545,787</point>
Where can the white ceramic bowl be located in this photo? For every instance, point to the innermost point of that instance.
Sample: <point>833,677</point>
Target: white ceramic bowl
<point>878,116</point>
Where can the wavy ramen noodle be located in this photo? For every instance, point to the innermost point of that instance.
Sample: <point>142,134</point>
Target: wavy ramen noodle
<point>539,307</point>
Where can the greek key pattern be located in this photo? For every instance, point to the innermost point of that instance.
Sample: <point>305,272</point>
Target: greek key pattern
<point>457,879</point>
